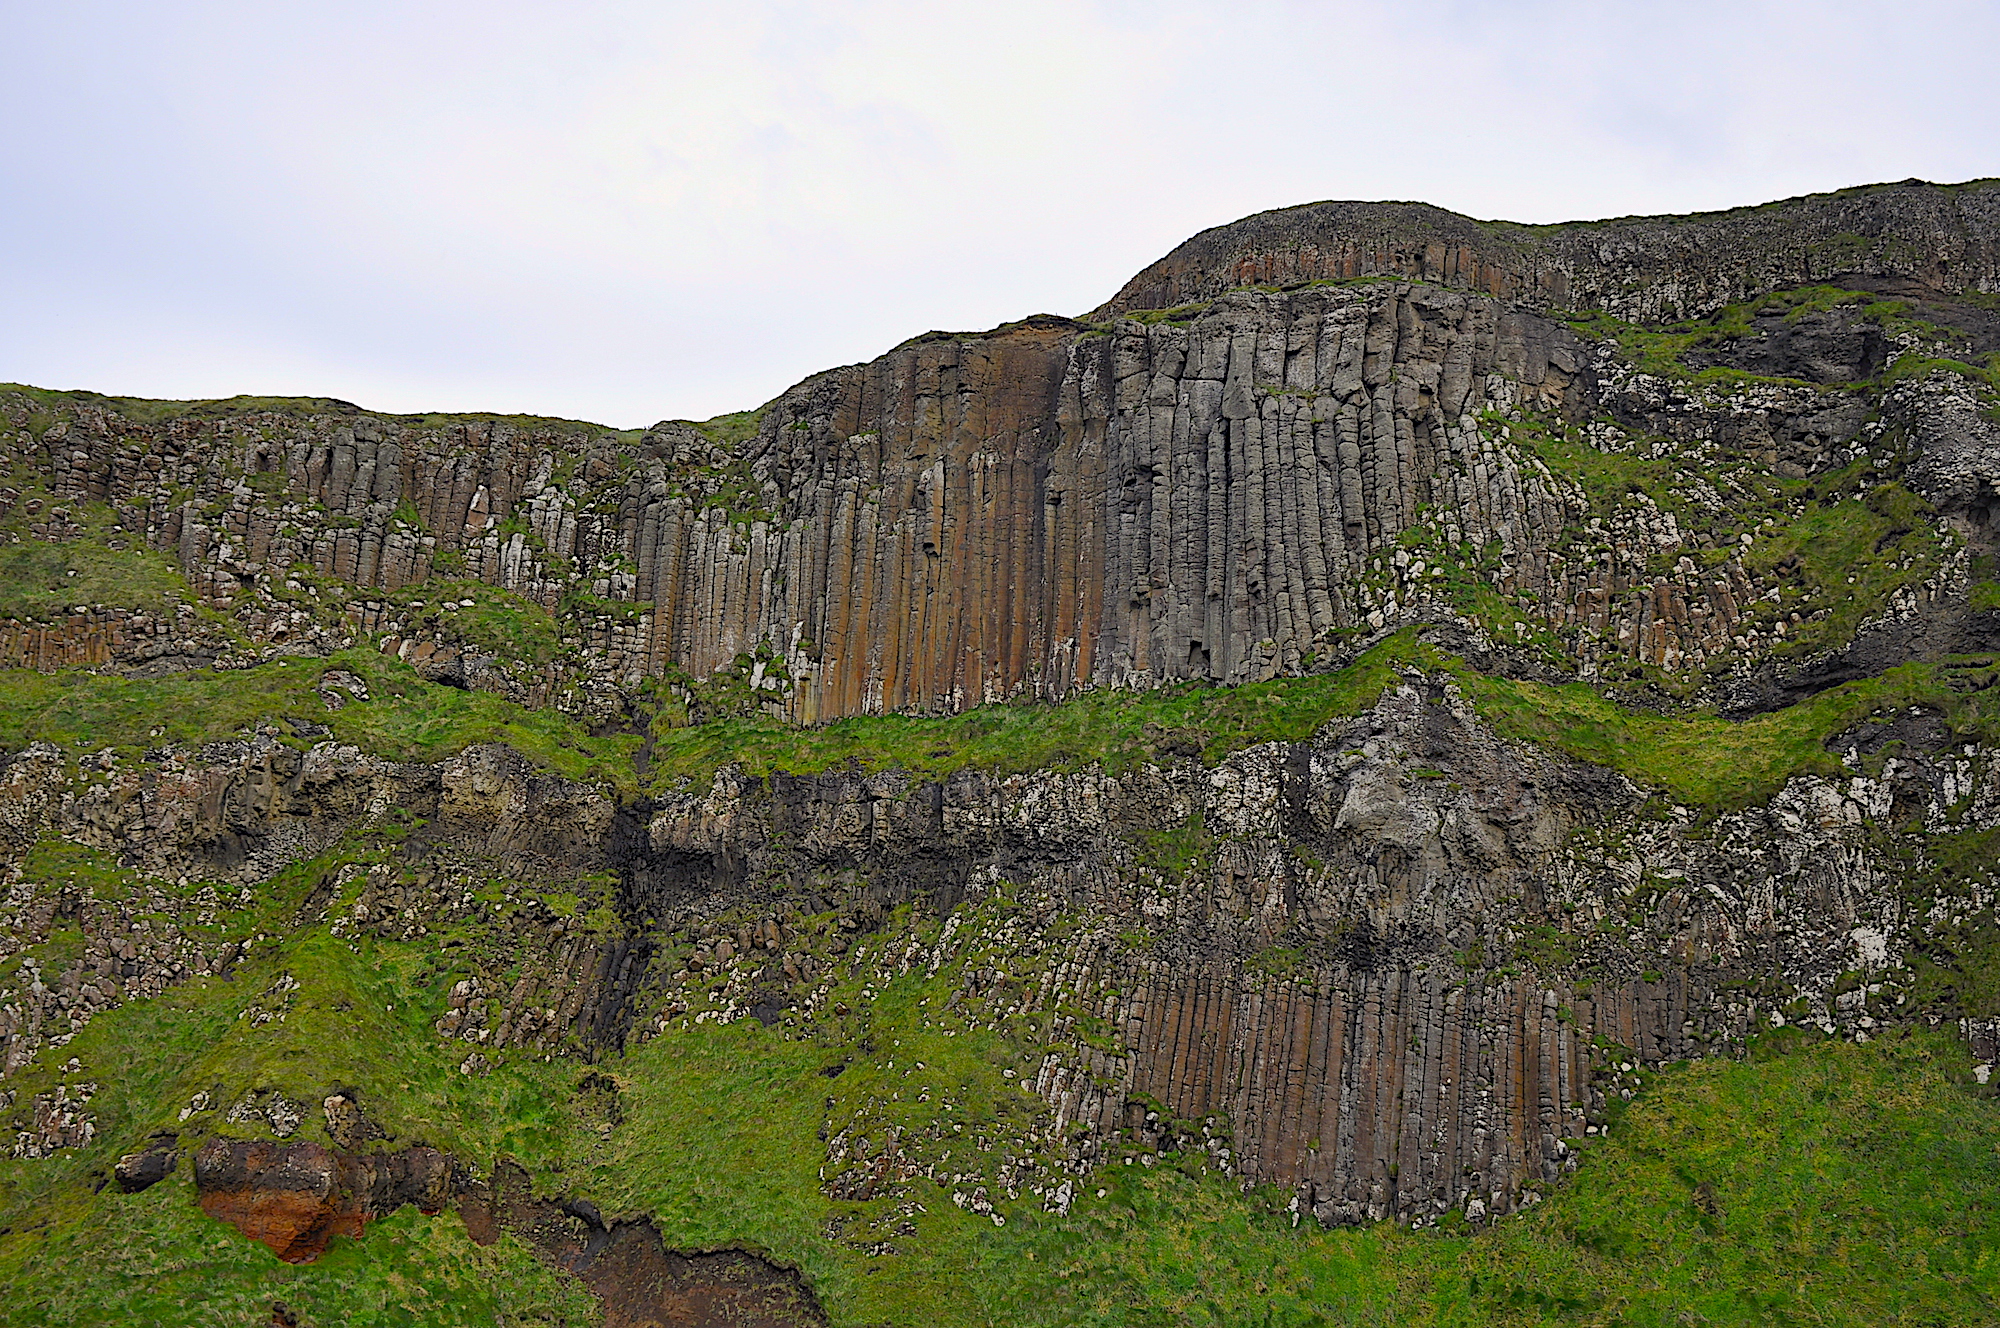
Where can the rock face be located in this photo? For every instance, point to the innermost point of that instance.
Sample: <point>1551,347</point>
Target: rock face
<point>1218,495</point>
<point>1383,1069</point>
<point>637,1280</point>
<point>241,812</point>
<point>143,1170</point>
<point>1401,966</point>
<point>297,1197</point>
<point>1647,269</point>
<point>1412,968</point>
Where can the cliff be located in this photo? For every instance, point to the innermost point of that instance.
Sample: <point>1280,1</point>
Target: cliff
<point>1218,494</point>
<point>1338,719</point>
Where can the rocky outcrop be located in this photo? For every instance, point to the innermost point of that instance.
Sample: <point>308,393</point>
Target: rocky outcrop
<point>241,812</point>
<point>1414,968</point>
<point>296,1198</point>
<point>1401,967</point>
<point>149,1166</point>
<point>1224,493</point>
<point>1646,269</point>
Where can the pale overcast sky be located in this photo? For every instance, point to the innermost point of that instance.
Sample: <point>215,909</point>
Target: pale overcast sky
<point>628,212</point>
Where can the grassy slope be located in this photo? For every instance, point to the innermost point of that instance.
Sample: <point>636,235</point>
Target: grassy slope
<point>405,718</point>
<point>1707,761</point>
<point>1660,351</point>
<point>1820,1183</point>
<point>153,410</point>
<point>360,1018</point>
<point>1698,758</point>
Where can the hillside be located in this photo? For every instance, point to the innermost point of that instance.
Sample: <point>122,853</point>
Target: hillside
<point>1402,770</point>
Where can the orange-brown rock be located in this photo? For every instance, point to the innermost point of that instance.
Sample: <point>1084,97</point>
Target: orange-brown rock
<point>297,1197</point>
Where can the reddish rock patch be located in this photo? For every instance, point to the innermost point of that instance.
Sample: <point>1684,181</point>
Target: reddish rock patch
<point>297,1197</point>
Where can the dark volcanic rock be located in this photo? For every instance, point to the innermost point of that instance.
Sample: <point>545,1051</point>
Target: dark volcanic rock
<point>138,1171</point>
<point>1829,347</point>
<point>1643,268</point>
<point>296,1198</point>
<point>1052,504</point>
<point>1400,965</point>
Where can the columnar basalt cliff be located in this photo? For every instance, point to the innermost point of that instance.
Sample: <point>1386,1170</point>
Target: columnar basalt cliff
<point>1055,504</point>
<point>1342,715</point>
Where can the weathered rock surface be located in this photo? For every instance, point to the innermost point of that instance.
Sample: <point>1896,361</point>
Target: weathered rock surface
<point>1408,971</point>
<point>1401,967</point>
<point>1217,495</point>
<point>1395,1065</point>
<point>143,1170</point>
<point>297,1197</point>
<point>1135,514</point>
<point>1650,269</point>
<point>243,811</point>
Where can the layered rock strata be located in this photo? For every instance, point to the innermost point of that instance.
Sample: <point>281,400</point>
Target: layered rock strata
<point>1402,967</point>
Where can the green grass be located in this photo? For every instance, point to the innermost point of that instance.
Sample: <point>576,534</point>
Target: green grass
<point>509,626</point>
<point>405,717</point>
<point>1608,479</point>
<point>357,1020</point>
<point>1708,761</point>
<point>155,1259</point>
<point>1835,1184</point>
<point>1852,552</point>
<point>1985,592</point>
<point>1115,728</point>
<point>1837,546</point>
<point>733,429</point>
<point>40,579</point>
<point>1699,758</point>
<point>1180,314</point>
<point>1661,351</point>
<point>1814,1183</point>
<point>47,402</point>
<point>1922,366</point>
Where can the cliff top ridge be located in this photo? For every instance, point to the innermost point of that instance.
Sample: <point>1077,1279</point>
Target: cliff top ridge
<point>1940,237</point>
